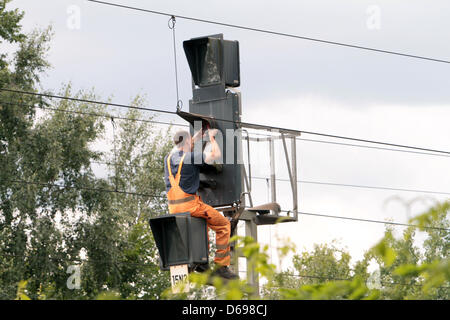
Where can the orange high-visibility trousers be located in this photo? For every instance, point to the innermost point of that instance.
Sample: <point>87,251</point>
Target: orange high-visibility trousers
<point>180,201</point>
<point>221,225</point>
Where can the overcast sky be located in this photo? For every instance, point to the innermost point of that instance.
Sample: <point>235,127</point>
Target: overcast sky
<point>289,83</point>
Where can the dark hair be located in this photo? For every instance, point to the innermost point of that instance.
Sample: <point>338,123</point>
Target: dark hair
<point>180,137</point>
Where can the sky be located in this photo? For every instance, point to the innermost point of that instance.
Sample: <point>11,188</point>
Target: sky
<point>291,83</point>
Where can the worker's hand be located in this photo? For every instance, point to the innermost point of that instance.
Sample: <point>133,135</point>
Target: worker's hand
<point>197,136</point>
<point>212,133</point>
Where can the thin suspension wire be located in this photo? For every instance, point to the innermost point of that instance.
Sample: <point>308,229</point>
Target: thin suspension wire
<point>276,33</point>
<point>103,103</point>
<point>384,283</point>
<point>310,182</point>
<point>107,116</point>
<point>253,133</point>
<point>171,23</point>
<point>368,220</point>
<point>163,196</point>
<point>357,186</point>
<point>321,183</point>
<point>372,147</point>
<point>277,179</point>
<point>153,264</point>
<point>244,124</point>
<point>47,184</point>
<point>116,177</point>
<point>160,196</point>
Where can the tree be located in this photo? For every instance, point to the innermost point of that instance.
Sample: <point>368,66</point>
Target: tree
<point>324,265</point>
<point>325,262</point>
<point>410,274</point>
<point>54,211</point>
<point>325,272</point>
<point>136,163</point>
<point>17,201</point>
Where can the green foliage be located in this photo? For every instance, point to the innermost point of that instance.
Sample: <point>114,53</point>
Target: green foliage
<point>383,250</point>
<point>324,262</point>
<point>54,211</point>
<point>21,291</point>
<point>326,272</point>
<point>108,295</point>
<point>353,290</point>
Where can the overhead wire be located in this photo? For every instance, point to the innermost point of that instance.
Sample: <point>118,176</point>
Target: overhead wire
<point>163,197</point>
<point>385,283</point>
<point>244,124</point>
<point>373,147</point>
<point>47,184</point>
<point>153,264</point>
<point>266,31</point>
<point>357,186</point>
<point>368,220</point>
<point>303,213</point>
<point>253,133</point>
<point>261,178</point>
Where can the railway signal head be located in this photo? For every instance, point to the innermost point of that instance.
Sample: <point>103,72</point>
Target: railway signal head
<point>214,64</point>
<point>213,61</point>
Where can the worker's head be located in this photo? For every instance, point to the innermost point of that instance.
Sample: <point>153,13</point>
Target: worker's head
<point>182,140</point>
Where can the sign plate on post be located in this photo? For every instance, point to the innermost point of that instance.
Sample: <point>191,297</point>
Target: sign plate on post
<point>179,278</point>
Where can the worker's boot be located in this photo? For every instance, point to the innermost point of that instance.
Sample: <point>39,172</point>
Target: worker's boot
<point>225,273</point>
<point>201,267</point>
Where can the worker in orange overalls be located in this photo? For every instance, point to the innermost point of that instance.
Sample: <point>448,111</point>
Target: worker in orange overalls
<point>182,192</point>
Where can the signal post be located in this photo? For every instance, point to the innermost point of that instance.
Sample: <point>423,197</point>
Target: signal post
<point>215,68</point>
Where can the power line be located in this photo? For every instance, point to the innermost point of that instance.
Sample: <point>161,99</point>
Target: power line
<point>350,279</point>
<point>278,179</point>
<point>262,178</point>
<point>320,182</point>
<point>368,220</point>
<point>159,196</point>
<point>244,124</point>
<point>311,182</point>
<point>254,133</point>
<point>93,114</point>
<point>47,184</point>
<point>375,142</point>
<point>46,95</point>
<point>372,147</point>
<point>274,32</point>
<point>163,196</point>
<point>155,264</point>
<point>357,186</point>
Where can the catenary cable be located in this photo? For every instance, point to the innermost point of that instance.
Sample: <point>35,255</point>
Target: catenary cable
<point>244,124</point>
<point>266,135</point>
<point>358,186</point>
<point>274,32</point>
<point>163,196</point>
<point>277,179</point>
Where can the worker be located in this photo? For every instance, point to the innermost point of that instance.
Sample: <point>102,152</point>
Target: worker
<point>182,178</point>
